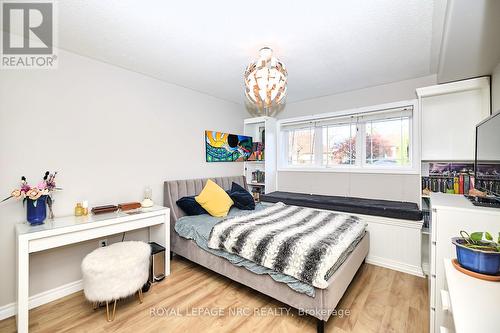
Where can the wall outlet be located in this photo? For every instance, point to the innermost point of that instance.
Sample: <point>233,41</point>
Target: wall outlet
<point>103,242</point>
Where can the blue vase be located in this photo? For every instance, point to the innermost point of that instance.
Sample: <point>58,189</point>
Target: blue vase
<point>36,210</point>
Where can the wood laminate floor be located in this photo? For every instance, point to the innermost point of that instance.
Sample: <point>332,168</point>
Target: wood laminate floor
<point>378,299</point>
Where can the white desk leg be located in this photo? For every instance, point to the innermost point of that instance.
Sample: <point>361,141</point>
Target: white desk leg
<point>161,234</point>
<point>23,263</point>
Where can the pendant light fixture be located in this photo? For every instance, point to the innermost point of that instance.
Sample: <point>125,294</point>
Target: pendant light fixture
<point>265,81</point>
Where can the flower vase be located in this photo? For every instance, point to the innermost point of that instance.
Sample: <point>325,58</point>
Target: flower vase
<point>36,210</point>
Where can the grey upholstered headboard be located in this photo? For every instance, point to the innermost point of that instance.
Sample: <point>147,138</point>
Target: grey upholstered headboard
<point>173,190</point>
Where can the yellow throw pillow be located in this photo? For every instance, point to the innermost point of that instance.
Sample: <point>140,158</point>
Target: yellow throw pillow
<point>214,199</point>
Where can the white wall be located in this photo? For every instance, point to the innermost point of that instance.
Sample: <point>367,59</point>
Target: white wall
<point>380,186</point>
<point>109,132</point>
<point>392,92</point>
<point>361,185</point>
<point>495,89</point>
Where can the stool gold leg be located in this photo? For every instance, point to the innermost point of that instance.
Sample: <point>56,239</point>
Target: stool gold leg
<point>114,310</point>
<point>141,296</point>
<point>112,317</point>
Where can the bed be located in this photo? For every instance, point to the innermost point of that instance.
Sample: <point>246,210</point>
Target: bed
<point>320,303</point>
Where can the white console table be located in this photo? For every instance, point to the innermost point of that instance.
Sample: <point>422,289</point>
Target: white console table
<point>69,230</point>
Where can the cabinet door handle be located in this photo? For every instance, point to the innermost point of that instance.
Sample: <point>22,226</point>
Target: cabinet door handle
<point>445,300</point>
<point>443,329</point>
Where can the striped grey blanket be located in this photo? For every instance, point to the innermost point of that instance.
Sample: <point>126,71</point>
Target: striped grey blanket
<point>301,242</point>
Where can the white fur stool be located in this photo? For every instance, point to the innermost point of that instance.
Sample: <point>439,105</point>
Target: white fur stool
<point>114,272</point>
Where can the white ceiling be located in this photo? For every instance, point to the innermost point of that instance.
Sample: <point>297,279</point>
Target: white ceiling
<point>328,46</point>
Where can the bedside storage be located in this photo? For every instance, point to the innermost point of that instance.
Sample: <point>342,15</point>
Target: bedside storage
<point>450,214</point>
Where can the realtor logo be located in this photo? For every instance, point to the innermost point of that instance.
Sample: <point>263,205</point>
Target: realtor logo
<point>28,35</point>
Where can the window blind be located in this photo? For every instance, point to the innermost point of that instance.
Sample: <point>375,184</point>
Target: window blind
<point>349,119</point>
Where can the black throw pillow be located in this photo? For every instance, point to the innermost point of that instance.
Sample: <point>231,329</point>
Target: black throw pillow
<point>190,206</point>
<point>241,197</point>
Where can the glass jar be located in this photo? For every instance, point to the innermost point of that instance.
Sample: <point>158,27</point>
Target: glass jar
<point>78,209</point>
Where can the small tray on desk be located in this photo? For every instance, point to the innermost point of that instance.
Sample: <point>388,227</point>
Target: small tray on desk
<point>104,209</point>
<point>493,278</point>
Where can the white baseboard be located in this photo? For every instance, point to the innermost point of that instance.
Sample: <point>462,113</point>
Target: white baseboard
<point>45,297</point>
<point>395,265</point>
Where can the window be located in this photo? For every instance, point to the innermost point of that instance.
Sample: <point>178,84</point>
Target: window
<point>376,139</point>
<point>339,144</point>
<point>388,142</point>
<point>301,146</point>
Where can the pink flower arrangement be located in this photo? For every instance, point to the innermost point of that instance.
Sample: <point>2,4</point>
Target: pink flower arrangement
<point>46,187</point>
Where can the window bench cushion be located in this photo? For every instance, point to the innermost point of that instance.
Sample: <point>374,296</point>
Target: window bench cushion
<point>385,208</point>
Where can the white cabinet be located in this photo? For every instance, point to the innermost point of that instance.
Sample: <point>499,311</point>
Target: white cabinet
<point>449,114</point>
<point>450,214</point>
<point>469,316</point>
